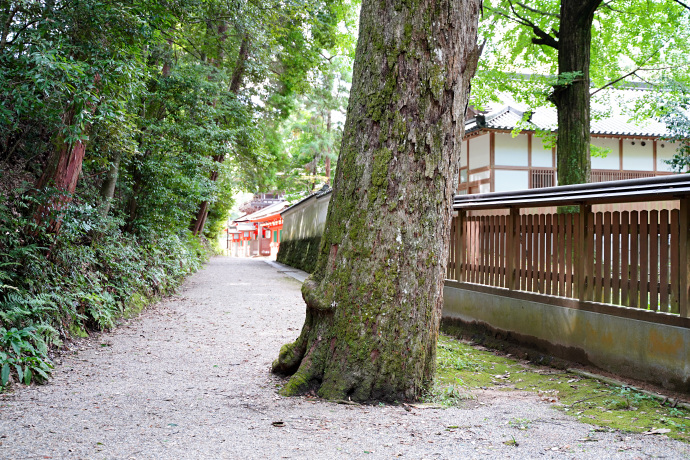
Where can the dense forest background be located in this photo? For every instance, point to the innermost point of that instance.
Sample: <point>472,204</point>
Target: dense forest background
<point>126,127</point>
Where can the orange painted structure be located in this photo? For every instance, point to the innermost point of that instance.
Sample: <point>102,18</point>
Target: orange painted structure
<point>258,233</point>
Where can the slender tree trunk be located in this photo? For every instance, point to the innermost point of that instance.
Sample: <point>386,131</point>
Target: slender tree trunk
<point>572,98</point>
<point>62,172</point>
<point>108,186</point>
<point>328,149</point>
<point>199,221</point>
<point>374,301</point>
<point>240,66</point>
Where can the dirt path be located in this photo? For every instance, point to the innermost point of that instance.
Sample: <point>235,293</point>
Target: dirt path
<point>189,379</point>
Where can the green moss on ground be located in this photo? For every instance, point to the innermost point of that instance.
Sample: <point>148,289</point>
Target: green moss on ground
<point>462,368</point>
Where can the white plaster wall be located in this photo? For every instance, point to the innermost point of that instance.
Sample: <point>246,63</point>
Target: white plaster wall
<point>484,188</point>
<point>479,152</point>
<point>322,206</point>
<point>612,159</point>
<point>541,156</point>
<point>638,157</point>
<point>479,176</point>
<point>507,180</point>
<point>307,220</point>
<point>664,153</point>
<point>463,153</point>
<point>509,150</point>
<point>290,224</point>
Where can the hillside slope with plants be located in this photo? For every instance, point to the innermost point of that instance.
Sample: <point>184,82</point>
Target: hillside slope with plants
<point>125,130</point>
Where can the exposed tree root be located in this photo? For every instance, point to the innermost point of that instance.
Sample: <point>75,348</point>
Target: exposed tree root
<point>304,359</point>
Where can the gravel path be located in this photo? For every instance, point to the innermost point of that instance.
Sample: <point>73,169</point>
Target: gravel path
<point>190,379</point>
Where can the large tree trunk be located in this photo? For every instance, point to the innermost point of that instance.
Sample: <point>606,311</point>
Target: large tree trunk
<point>374,301</point>
<point>62,172</point>
<point>572,96</point>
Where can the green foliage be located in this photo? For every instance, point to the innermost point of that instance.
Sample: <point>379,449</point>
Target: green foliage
<point>23,354</point>
<point>86,279</point>
<point>632,42</point>
<point>451,357</point>
<point>677,119</point>
<point>447,395</point>
<point>66,59</point>
<point>311,135</point>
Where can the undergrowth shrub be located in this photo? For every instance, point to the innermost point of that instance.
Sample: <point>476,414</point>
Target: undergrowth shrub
<point>85,277</point>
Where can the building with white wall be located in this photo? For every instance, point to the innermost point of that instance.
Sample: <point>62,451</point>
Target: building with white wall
<point>493,159</point>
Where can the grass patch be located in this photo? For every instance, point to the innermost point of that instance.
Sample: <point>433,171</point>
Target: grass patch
<point>464,368</point>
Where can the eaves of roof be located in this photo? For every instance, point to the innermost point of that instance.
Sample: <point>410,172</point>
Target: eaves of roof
<point>275,208</point>
<point>323,192</point>
<point>507,118</point>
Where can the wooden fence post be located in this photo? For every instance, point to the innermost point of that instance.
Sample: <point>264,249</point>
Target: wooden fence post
<point>581,258</point>
<point>684,250</point>
<point>513,249</point>
<point>460,245</point>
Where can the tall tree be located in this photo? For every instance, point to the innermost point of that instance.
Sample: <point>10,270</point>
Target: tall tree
<point>311,135</point>
<point>571,91</point>
<point>61,68</point>
<point>585,44</point>
<point>374,301</point>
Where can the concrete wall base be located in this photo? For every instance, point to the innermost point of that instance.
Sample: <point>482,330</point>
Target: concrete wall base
<point>656,353</point>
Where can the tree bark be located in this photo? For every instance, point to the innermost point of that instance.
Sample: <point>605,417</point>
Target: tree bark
<point>108,186</point>
<point>374,301</point>
<point>571,96</point>
<point>62,172</point>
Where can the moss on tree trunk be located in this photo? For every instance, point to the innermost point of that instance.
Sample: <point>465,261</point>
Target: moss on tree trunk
<point>374,300</point>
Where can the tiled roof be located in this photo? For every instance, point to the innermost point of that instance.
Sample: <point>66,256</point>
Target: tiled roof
<point>275,208</point>
<point>506,116</point>
<point>323,191</point>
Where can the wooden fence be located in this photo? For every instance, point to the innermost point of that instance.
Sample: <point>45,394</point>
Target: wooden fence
<point>628,259</point>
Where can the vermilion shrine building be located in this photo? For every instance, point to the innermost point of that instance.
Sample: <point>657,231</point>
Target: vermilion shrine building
<point>257,233</point>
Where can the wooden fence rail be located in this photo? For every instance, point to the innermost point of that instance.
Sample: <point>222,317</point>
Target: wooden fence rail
<point>635,259</point>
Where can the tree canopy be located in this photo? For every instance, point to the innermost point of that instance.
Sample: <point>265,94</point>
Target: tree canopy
<point>123,126</point>
<point>640,42</point>
<point>159,101</point>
